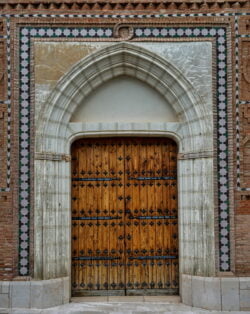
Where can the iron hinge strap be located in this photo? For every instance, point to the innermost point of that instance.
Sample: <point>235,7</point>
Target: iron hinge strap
<point>94,258</point>
<point>153,217</point>
<point>154,257</point>
<point>152,178</point>
<point>95,179</point>
<point>97,218</point>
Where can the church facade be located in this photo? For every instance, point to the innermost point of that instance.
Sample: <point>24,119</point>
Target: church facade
<point>125,151</point>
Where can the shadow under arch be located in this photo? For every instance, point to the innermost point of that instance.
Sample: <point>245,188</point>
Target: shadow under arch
<point>55,133</point>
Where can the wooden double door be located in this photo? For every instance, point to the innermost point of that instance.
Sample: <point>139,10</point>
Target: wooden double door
<point>124,216</point>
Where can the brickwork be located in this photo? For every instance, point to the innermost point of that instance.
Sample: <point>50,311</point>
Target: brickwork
<point>2,70</point>
<point>242,205</point>
<point>242,222</point>
<point>245,72</point>
<point>3,142</point>
<point>145,6</point>
<point>8,239</point>
<point>9,126</point>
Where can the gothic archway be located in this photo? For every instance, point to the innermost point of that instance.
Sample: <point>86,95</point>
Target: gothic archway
<point>55,133</point>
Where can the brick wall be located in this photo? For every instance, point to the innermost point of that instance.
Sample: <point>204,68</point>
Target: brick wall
<point>242,208</point>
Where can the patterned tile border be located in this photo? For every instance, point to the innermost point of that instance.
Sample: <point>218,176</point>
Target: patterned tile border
<point>140,32</point>
<point>219,33</point>
<point>127,16</point>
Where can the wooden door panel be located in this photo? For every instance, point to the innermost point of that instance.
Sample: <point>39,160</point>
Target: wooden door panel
<point>97,216</point>
<point>151,176</point>
<point>124,215</point>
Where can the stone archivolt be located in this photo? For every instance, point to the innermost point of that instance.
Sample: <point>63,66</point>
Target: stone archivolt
<point>123,5</point>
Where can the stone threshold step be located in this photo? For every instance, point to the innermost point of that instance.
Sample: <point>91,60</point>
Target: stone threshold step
<point>161,299</point>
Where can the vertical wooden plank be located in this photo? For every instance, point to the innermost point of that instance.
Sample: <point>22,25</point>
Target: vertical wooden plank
<point>174,200</point>
<point>149,201</point>
<point>105,211</point>
<point>94,213</point>
<point>135,209</point>
<point>119,210</point>
<point>144,205</point>
<point>159,245</point>
<point>113,241</point>
<point>129,244</point>
<point>74,213</point>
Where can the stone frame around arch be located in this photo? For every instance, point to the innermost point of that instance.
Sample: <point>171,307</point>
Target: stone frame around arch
<point>194,135</point>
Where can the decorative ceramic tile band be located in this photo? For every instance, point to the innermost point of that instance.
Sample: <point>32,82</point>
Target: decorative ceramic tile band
<point>127,16</point>
<point>26,33</point>
<point>108,16</point>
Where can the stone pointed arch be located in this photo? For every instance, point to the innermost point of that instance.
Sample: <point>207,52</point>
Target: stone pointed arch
<point>110,62</point>
<point>55,132</point>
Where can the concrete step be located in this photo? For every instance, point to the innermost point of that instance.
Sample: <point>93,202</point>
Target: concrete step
<point>120,305</point>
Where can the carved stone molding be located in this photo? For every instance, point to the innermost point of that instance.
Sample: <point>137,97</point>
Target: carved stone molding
<point>123,32</point>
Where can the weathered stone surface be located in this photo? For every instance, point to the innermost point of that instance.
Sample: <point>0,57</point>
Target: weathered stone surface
<point>244,282</point>
<point>52,293</point>
<point>66,290</point>
<point>245,300</point>
<point>206,293</point>
<point>5,286</point>
<point>4,300</point>
<point>193,59</point>
<point>20,294</point>
<point>36,294</point>
<point>230,294</point>
<point>54,59</point>
<point>196,217</point>
<point>186,289</point>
